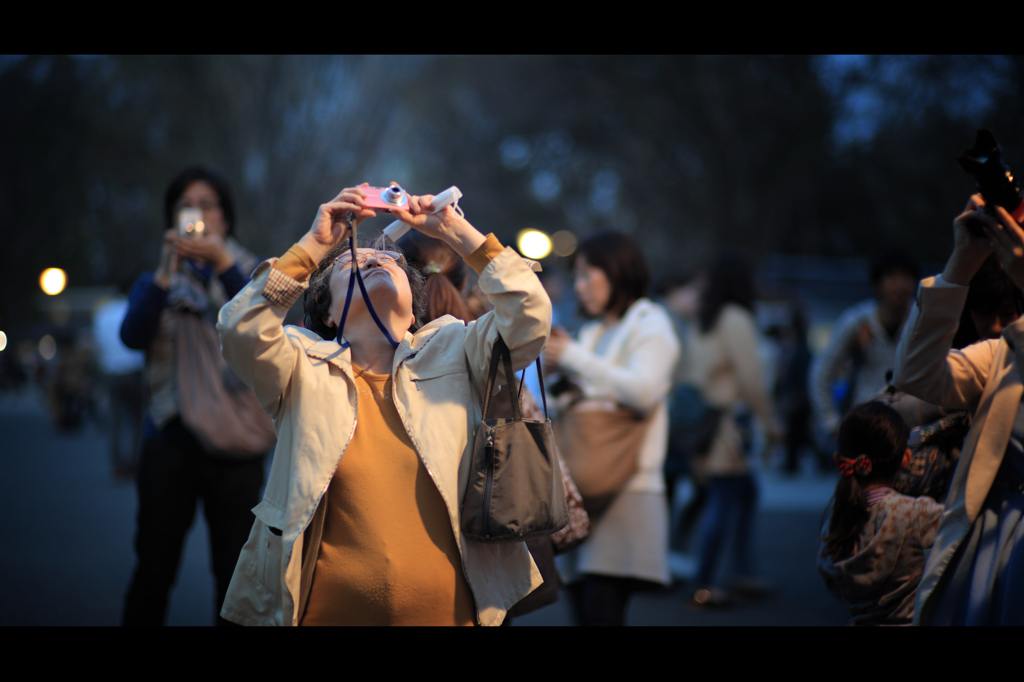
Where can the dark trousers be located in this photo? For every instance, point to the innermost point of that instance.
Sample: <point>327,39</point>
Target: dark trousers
<point>173,475</point>
<point>602,600</point>
<point>729,516</point>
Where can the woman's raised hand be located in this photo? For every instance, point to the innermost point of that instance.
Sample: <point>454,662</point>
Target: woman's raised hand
<point>971,243</point>
<point>446,225</point>
<point>1007,240</point>
<point>209,248</point>
<point>331,224</point>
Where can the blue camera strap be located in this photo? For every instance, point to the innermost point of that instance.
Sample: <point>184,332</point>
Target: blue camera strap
<point>362,289</point>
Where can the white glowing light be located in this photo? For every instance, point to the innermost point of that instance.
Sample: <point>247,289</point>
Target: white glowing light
<point>3,340</point>
<point>47,347</point>
<point>534,244</point>
<point>52,281</point>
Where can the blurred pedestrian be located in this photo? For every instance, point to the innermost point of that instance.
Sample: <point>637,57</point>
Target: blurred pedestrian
<point>681,294</point>
<point>725,365</point>
<point>874,541</point>
<point>72,391</point>
<point>121,369</point>
<point>792,399</point>
<point>204,437</point>
<point>862,346</point>
<point>624,358</point>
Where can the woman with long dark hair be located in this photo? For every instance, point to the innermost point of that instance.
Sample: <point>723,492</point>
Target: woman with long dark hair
<point>624,357</point>
<point>724,365</point>
<point>874,542</point>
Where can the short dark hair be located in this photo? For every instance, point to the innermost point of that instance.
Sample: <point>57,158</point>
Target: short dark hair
<point>316,303</point>
<point>194,174</point>
<point>730,279</point>
<point>894,260</point>
<point>623,263</point>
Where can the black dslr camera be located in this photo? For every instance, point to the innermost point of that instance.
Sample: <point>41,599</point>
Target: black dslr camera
<point>994,179</point>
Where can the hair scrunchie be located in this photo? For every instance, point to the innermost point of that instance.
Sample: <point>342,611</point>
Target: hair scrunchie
<point>850,467</point>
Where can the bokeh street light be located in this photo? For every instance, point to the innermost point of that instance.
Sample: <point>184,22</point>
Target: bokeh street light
<point>3,340</point>
<point>52,281</point>
<point>47,347</point>
<point>563,243</point>
<point>534,244</point>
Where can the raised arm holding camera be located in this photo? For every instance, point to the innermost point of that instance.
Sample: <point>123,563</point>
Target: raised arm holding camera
<point>359,523</point>
<point>973,575</point>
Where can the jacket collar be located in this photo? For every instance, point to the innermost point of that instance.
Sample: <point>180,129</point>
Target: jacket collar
<point>341,357</point>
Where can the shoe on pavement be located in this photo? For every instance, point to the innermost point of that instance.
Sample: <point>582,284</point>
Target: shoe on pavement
<point>711,597</point>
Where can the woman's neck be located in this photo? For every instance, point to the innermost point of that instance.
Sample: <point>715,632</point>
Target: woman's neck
<point>375,357</point>
<point>371,350</point>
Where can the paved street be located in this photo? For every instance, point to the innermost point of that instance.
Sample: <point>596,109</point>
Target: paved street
<point>67,553</point>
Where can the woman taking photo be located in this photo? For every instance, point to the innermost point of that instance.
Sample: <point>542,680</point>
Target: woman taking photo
<point>624,357</point>
<point>360,521</point>
<point>973,575</point>
<point>169,312</point>
<point>724,364</point>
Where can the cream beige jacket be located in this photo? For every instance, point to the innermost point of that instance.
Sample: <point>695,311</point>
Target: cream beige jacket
<point>726,366</point>
<point>306,385</point>
<point>983,378</point>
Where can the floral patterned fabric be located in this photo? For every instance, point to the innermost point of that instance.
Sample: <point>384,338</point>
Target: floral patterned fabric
<point>878,582</point>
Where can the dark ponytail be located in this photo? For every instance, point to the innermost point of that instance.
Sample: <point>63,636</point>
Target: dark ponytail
<point>446,274</point>
<point>871,442</point>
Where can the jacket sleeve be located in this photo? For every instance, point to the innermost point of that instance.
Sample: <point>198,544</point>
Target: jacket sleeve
<point>142,319</point>
<point>825,367</point>
<point>646,378</point>
<point>925,366</point>
<point>521,314</point>
<point>252,334</point>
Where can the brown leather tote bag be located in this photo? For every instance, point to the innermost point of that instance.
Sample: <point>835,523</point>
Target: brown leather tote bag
<point>602,450</point>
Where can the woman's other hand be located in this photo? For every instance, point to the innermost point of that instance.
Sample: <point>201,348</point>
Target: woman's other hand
<point>1007,242</point>
<point>168,260</point>
<point>971,244</point>
<point>446,225</point>
<point>330,227</point>
<point>209,248</point>
<point>557,343</point>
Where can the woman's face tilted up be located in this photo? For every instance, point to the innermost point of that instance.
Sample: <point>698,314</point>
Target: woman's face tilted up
<point>385,281</point>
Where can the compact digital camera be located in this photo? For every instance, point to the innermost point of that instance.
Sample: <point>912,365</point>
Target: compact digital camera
<point>385,198</point>
<point>190,222</point>
<point>994,179</point>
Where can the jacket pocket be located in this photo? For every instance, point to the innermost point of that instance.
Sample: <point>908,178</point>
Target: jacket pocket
<point>453,371</point>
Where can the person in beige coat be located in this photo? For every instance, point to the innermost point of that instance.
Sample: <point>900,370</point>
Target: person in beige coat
<point>360,521</point>
<point>724,364</point>
<point>975,571</point>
